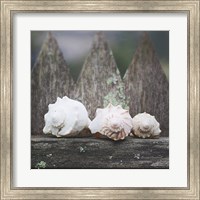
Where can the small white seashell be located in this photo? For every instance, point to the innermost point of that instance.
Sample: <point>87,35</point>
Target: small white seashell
<point>146,126</point>
<point>112,121</point>
<point>66,117</point>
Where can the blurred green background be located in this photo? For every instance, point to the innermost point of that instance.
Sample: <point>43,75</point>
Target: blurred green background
<point>75,46</point>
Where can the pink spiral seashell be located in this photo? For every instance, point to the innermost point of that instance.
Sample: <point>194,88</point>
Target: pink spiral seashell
<point>113,122</point>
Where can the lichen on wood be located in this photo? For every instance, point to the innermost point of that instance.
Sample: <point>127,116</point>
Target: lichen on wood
<point>100,82</point>
<point>146,84</point>
<point>50,78</point>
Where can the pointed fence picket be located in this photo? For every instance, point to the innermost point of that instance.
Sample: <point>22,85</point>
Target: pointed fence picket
<point>50,78</point>
<point>147,85</point>
<point>99,82</point>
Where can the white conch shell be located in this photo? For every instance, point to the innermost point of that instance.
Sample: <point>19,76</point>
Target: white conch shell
<point>66,117</point>
<point>112,121</point>
<point>146,126</point>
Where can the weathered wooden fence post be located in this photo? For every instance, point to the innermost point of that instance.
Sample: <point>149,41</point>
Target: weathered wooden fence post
<point>50,78</point>
<point>99,82</point>
<point>144,86</point>
<point>147,86</point>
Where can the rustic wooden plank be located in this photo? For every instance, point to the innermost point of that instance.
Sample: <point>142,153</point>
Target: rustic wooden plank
<point>92,153</point>
<point>147,86</point>
<point>50,78</point>
<point>99,82</point>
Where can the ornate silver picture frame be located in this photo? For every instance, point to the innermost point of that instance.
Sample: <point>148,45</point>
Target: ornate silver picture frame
<point>8,11</point>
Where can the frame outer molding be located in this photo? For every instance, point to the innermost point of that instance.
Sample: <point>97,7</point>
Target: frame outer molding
<point>8,8</point>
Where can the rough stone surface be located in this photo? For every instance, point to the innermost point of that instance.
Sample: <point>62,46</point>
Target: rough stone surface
<point>50,78</point>
<point>99,82</point>
<point>93,153</point>
<point>147,86</point>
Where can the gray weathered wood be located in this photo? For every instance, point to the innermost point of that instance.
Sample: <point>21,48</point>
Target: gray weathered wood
<point>100,82</point>
<point>85,153</point>
<point>147,86</point>
<point>50,78</point>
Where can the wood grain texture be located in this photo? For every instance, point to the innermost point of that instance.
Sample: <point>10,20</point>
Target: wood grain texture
<point>147,85</point>
<point>50,78</point>
<point>88,153</point>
